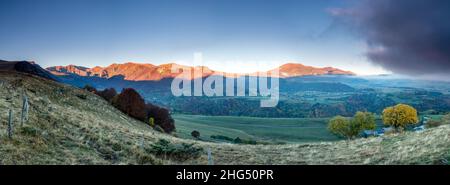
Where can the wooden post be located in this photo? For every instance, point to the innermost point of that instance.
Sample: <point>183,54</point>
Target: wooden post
<point>210,159</point>
<point>10,124</point>
<point>142,141</point>
<point>24,116</point>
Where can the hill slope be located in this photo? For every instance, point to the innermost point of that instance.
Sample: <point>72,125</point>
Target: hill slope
<point>71,126</point>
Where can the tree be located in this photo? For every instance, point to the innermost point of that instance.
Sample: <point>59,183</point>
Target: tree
<point>339,126</point>
<point>364,120</point>
<point>151,121</point>
<point>195,134</point>
<point>161,117</point>
<point>344,127</point>
<point>130,102</point>
<point>400,116</point>
<point>108,94</point>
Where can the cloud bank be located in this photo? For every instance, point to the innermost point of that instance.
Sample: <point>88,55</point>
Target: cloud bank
<point>404,36</point>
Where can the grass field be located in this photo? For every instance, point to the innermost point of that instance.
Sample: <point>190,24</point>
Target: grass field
<point>287,130</point>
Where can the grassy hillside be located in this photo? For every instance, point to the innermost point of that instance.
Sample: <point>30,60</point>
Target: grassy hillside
<point>71,126</point>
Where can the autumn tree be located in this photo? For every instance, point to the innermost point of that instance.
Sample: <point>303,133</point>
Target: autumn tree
<point>151,122</point>
<point>339,126</point>
<point>130,102</point>
<point>400,116</point>
<point>108,94</point>
<point>364,121</point>
<point>350,128</point>
<point>161,117</point>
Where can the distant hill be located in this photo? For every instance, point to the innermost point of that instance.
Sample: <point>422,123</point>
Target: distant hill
<point>149,72</point>
<point>26,67</point>
<point>295,70</point>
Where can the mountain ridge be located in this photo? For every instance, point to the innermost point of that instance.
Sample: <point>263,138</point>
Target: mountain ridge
<point>149,72</point>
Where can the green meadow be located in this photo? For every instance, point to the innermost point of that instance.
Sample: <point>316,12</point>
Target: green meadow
<point>284,130</point>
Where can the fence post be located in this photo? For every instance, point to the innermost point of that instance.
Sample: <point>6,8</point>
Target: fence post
<point>24,116</point>
<point>210,159</point>
<point>142,141</point>
<point>10,124</point>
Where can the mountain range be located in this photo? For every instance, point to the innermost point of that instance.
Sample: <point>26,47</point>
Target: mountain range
<point>149,72</point>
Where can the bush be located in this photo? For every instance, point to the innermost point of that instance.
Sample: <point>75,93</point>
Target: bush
<point>182,151</point>
<point>220,137</point>
<point>81,96</point>
<point>195,134</point>
<point>237,140</point>
<point>400,116</point>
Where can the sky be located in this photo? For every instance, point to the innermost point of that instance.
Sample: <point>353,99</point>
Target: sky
<point>231,35</point>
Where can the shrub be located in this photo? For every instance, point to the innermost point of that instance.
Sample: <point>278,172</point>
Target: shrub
<point>30,131</point>
<point>177,151</point>
<point>249,141</point>
<point>220,137</point>
<point>81,96</point>
<point>195,134</point>
<point>400,116</point>
<point>143,157</point>
<point>237,140</point>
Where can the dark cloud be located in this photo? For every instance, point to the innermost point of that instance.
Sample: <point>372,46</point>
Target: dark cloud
<point>404,36</point>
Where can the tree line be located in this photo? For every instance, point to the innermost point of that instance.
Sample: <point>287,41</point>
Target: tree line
<point>130,102</point>
<point>399,117</point>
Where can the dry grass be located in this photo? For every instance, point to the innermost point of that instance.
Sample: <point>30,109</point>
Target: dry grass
<point>71,126</point>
